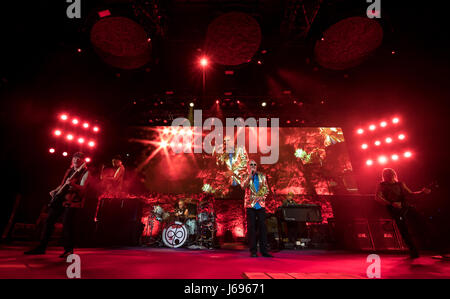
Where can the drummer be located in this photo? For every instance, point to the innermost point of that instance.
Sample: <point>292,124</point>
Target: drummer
<point>181,211</point>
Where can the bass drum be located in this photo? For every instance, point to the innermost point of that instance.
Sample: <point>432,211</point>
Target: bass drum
<point>175,235</point>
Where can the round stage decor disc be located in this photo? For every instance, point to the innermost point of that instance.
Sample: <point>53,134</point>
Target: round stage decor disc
<point>121,42</point>
<point>348,43</point>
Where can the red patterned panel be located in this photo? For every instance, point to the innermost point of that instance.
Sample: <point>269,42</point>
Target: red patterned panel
<point>348,42</point>
<point>121,42</point>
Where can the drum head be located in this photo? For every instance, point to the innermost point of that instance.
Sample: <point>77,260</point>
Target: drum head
<point>175,235</point>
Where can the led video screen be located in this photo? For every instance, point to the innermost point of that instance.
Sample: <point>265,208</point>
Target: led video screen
<point>310,161</point>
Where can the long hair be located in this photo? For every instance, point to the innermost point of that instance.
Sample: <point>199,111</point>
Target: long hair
<point>389,175</point>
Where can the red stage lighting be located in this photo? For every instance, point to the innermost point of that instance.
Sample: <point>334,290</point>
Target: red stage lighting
<point>217,102</point>
<point>80,140</point>
<point>382,159</point>
<point>383,124</point>
<point>388,140</point>
<point>95,129</point>
<point>395,120</point>
<point>401,136</point>
<point>64,117</point>
<point>163,144</point>
<point>75,121</point>
<point>165,131</point>
<point>364,146</point>
<point>407,154</point>
<point>87,159</point>
<point>85,125</point>
<point>64,154</point>
<point>91,143</point>
<point>204,62</point>
<point>360,131</point>
<point>57,132</point>
<point>51,150</point>
<point>394,157</point>
<point>69,137</point>
<point>369,162</point>
<point>372,127</point>
<point>377,143</point>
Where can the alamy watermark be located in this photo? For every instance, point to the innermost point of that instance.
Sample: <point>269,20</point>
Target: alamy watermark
<point>73,11</point>
<point>258,142</point>
<point>74,269</point>
<point>374,9</point>
<point>374,269</point>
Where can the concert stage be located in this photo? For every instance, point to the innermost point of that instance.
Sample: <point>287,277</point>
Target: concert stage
<point>165,263</point>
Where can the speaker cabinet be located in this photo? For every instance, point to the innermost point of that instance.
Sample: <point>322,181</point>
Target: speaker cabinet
<point>119,221</point>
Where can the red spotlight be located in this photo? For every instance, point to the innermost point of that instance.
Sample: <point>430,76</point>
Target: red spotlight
<point>91,143</point>
<point>401,136</point>
<point>75,121</point>
<point>204,62</point>
<point>382,159</point>
<point>57,132</point>
<point>217,102</point>
<point>388,140</point>
<point>369,162</point>
<point>85,125</point>
<point>360,131</point>
<point>395,120</point>
<point>64,154</point>
<point>383,124</point>
<point>163,144</point>
<point>80,140</point>
<point>69,137</point>
<point>364,146</point>
<point>87,159</point>
<point>372,127</point>
<point>95,129</point>
<point>166,131</point>
<point>63,117</point>
<point>394,157</point>
<point>377,143</point>
<point>407,154</point>
<point>51,150</point>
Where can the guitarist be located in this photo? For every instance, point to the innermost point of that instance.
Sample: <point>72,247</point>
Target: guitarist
<point>66,200</point>
<point>394,195</point>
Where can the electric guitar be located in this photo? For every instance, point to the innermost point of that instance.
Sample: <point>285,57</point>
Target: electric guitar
<point>58,195</point>
<point>406,205</point>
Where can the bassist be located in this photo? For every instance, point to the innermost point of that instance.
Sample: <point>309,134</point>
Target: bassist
<point>66,200</point>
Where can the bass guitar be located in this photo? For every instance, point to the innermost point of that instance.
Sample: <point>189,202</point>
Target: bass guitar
<point>58,195</point>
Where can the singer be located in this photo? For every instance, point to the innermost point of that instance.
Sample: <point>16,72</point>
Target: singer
<point>256,190</point>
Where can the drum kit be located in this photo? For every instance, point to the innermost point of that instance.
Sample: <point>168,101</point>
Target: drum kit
<point>197,230</point>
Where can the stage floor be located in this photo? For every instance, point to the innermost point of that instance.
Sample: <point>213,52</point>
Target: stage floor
<point>140,262</point>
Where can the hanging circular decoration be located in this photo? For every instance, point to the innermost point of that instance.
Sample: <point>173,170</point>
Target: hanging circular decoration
<point>233,38</point>
<point>348,43</point>
<point>121,42</point>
